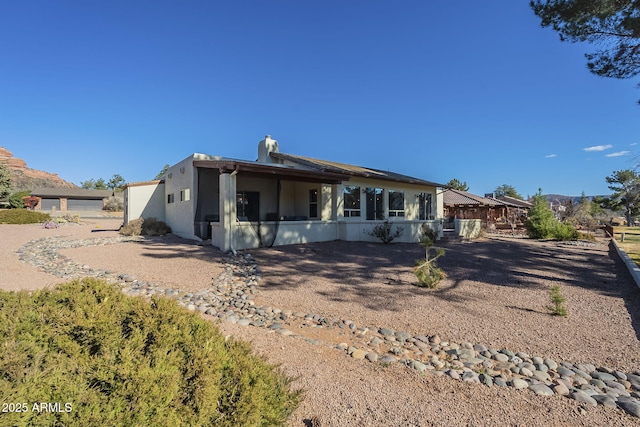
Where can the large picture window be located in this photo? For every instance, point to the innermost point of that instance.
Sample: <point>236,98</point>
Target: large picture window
<point>374,203</point>
<point>351,201</point>
<point>424,210</point>
<point>248,205</point>
<point>396,203</point>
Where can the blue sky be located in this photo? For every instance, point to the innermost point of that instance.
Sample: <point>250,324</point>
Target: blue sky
<point>476,91</point>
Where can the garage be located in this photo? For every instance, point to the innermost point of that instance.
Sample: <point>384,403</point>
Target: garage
<point>50,204</point>
<point>71,199</point>
<point>84,204</point>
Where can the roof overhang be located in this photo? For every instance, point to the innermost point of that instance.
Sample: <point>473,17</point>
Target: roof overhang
<point>272,171</point>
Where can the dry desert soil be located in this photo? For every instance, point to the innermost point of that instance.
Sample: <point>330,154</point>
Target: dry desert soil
<point>496,293</point>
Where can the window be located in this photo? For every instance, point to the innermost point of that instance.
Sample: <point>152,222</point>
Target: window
<point>351,201</point>
<point>313,203</point>
<point>185,195</point>
<point>374,203</point>
<point>424,209</point>
<point>248,205</point>
<point>396,203</point>
<point>170,198</point>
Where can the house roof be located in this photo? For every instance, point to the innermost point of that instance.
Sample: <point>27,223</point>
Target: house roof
<point>512,201</point>
<point>77,193</point>
<point>270,169</point>
<point>344,169</point>
<point>453,197</point>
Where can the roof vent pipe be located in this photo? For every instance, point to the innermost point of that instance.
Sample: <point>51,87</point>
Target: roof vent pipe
<point>265,147</point>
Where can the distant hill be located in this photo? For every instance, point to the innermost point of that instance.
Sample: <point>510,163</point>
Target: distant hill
<point>24,178</point>
<point>561,198</point>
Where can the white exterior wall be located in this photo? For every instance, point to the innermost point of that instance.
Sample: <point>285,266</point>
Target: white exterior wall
<point>468,228</point>
<point>144,200</point>
<point>180,215</point>
<point>358,228</point>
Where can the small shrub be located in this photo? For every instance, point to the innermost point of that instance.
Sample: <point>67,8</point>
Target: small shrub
<point>114,204</point>
<point>427,271</point>
<point>145,227</point>
<point>50,224</point>
<point>558,300</point>
<point>23,216</point>
<point>69,218</point>
<point>586,236</point>
<point>384,232</point>
<point>119,360</point>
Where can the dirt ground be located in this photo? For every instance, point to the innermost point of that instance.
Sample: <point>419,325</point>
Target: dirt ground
<point>496,293</point>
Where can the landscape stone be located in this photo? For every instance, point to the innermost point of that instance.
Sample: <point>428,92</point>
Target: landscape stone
<point>358,354</point>
<point>604,400</point>
<point>541,389</point>
<point>583,397</point>
<point>603,376</point>
<point>518,383</point>
<point>631,406</point>
<point>560,388</point>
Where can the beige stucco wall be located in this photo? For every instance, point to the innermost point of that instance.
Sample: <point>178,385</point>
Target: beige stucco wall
<point>144,200</point>
<point>180,214</point>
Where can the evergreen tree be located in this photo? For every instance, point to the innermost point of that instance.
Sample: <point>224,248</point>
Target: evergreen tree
<point>5,181</point>
<point>456,184</point>
<point>507,190</point>
<point>625,185</point>
<point>541,222</point>
<point>613,25</point>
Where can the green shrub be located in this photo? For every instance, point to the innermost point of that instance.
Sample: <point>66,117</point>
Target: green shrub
<point>116,360</point>
<point>145,227</point>
<point>542,224</point>
<point>16,200</point>
<point>558,300</point>
<point>23,216</point>
<point>384,232</point>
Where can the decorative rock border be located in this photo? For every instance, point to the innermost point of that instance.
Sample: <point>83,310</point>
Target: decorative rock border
<point>231,299</point>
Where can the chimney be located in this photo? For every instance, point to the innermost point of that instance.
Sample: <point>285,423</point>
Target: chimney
<point>265,147</point>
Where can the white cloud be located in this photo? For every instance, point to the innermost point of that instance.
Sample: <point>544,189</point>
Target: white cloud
<point>633,143</point>
<point>598,147</point>
<point>549,156</point>
<point>618,154</point>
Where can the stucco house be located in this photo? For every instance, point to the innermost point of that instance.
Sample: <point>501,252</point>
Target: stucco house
<point>282,199</point>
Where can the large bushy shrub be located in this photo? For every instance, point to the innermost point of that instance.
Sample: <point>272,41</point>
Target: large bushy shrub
<point>145,227</point>
<point>16,200</point>
<point>23,216</point>
<point>113,360</point>
<point>542,224</point>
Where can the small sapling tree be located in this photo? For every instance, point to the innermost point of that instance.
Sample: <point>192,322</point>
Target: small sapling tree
<point>427,271</point>
<point>557,307</point>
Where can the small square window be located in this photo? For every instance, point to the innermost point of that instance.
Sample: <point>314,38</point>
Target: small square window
<point>170,198</point>
<point>185,195</point>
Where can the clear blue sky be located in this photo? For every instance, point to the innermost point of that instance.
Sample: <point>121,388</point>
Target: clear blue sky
<point>471,90</point>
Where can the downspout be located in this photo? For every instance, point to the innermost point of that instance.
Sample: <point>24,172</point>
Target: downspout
<point>232,221</point>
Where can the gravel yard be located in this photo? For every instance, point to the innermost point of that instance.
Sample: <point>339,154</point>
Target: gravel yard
<point>496,294</point>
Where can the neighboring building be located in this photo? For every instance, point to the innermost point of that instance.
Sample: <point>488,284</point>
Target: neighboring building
<point>464,205</point>
<point>71,199</point>
<point>490,210</point>
<point>282,199</point>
